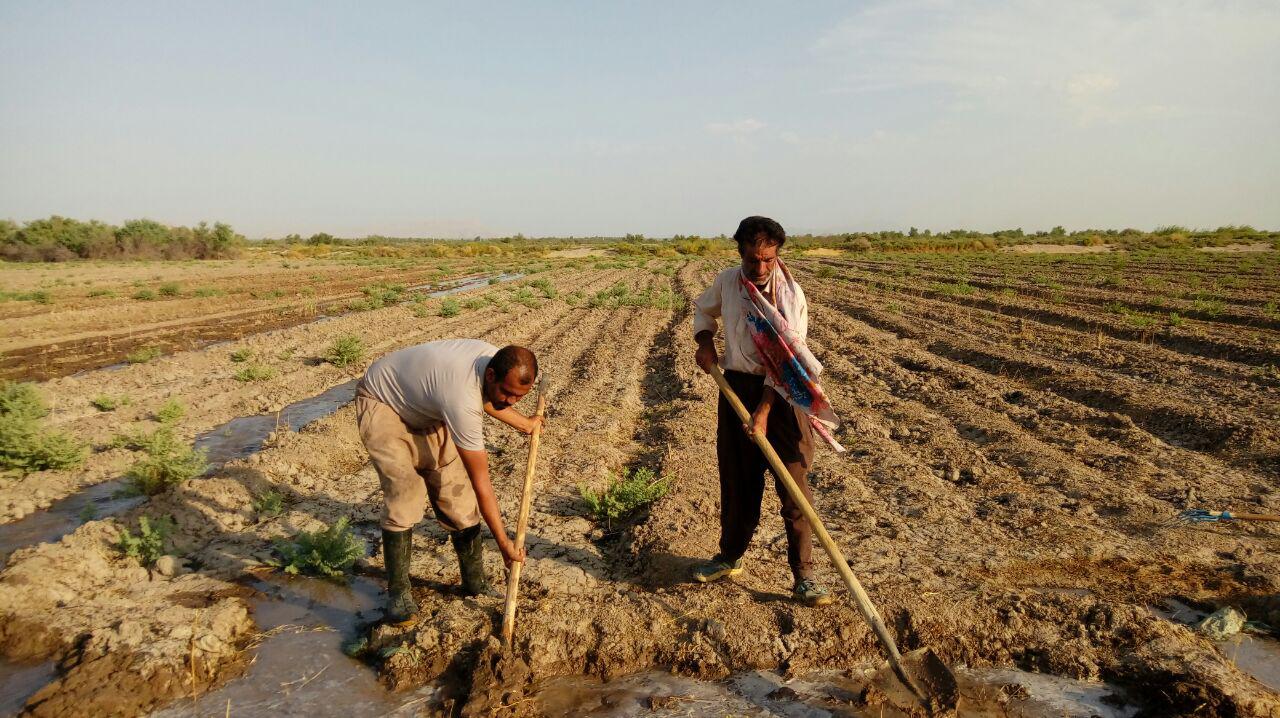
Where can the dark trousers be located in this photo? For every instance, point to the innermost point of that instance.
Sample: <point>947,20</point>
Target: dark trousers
<point>742,467</point>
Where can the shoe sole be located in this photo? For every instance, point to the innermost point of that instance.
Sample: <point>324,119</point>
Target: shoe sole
<point>718,575</point>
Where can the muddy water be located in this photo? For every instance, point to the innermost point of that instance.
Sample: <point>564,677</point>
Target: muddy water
<point>18,681</point>
<point>1251,653</point>
<point>985,693</point>
<point>454,287</point>
<point>63,517</point>
<point>301,670</point>
<point>245,435</point>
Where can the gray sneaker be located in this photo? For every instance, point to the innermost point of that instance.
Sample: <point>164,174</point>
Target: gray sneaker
<point>810,593</point>
<point>715,569</point>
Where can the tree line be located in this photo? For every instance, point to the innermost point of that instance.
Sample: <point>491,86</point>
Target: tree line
<point>57,239</point>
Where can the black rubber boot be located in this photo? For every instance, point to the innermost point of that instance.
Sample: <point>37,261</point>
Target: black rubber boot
<point>470,547</point>
<point>397,548</point>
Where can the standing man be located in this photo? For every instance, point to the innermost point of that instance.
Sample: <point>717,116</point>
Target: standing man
<point>421,416</point>
<point>762,308</point>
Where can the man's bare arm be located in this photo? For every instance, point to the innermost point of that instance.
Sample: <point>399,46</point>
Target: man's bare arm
<point>476,462</point>
<point>514,419</point>
<point>706,354</point>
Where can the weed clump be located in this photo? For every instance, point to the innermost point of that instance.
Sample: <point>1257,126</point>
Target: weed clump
<point>150,542</point>
<point>329,552</point>
<point>170,289</point>
<point>345,351</point>
<point>143,355</point>
<point>625,495</point>
<point>25,445</point>
<point>170,412</point>
<point>254,372</point>
<point>269,503</point>
<point>240,356</point>
<point>167,463</point>
<point>144,295</point>
<point>450,308</point>
<point>106,402</point>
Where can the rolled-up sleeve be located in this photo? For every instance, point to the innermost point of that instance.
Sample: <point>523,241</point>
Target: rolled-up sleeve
<point>706,309</point>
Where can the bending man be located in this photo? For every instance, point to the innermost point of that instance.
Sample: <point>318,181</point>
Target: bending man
<point>421,415</point>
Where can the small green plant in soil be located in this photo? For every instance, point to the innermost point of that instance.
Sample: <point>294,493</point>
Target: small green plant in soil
<point>254,372</point>
<point>26,445</point>
<point>206,292</point>
<point>627,493</point>
<point>345,351</point>
<point>142,355</point>
<point>450,308</point>
<point>94,293</point>
<point>269,503</point>
<point>240,356</point>
<point>167,463</point>
<point>170,412</point>
<point>144,295</point>
<point>107,402</point>
<point>170,289</point>
<point>149,544</point>
<point>330,552</point>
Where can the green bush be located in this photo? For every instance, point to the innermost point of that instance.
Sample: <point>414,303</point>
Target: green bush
<point>345,351</point>
<point>450,308</point>
<point>167,463</point>
<point>144,295</point>
<point>329,553</point>
<point>170,411</point>
<point>241,355</point>
<point>269,503</point>
<point>149,544</point>
<point>25,445</point>
<point>206,292</point>
<point>255,372</point>
<point>142,355</point>
<point>170,289</point>
<point>634,489</point>
<point>101,293</point>
<point>106,402</point>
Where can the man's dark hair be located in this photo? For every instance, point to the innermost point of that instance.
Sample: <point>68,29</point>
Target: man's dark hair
<point>759,229</point>
<point>519,359</point>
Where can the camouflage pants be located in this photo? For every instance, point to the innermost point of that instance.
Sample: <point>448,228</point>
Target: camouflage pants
<point>415,465</point>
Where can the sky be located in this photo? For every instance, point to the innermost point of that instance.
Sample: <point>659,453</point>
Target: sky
<point>583,119</point>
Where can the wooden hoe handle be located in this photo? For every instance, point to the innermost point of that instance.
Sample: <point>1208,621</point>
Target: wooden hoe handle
<point>860,597</point>
<point>522,527</point>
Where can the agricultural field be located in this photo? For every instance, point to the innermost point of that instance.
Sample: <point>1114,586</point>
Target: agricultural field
<point>1022,429</point>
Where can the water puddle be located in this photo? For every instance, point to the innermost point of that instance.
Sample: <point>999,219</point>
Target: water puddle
<point>301,670</point>
<point>1253,654</point>
<point>985,693</point>
<point>444,289</point>
<point>64,516</point>
<point>18,681</point>
<point>245,435</point>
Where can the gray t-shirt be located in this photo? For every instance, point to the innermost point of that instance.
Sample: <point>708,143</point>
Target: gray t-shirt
<point>436,381</point>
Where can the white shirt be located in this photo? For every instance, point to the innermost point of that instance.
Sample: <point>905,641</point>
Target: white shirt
<point>439,381</point>
<point>723,300</point>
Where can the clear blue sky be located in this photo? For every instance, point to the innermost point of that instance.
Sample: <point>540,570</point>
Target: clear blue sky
<point>601,118</point>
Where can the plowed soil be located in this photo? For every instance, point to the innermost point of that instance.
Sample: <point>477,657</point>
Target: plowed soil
<point>1014,463</point>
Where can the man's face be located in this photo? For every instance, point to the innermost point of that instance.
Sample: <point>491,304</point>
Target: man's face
<point>506,392</point>
<point>758,260</point>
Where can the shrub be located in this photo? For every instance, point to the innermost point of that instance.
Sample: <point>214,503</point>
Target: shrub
<point>544,285</point>
<point>450,308</point>
<point>149,544</point>
<point>345,351</point>
<point>167,463</point>
<point>106,402</point>
<point>825,271</point>
<point>241,355</point>
<point>144,295</point>
<point>269,503</point>
<point>255,372</point>
<point>25,445</point>
<point>206,292</point>
<point>170,289</point>
<point>329,553</point>
<point>170,412</point>
<point>634,489</point>
<point>101,293</point>
<point>142,355</point>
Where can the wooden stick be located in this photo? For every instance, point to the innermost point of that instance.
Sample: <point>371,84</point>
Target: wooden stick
<point>860,597</point>
<point>522,526</point>
<point>1255,517</point>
